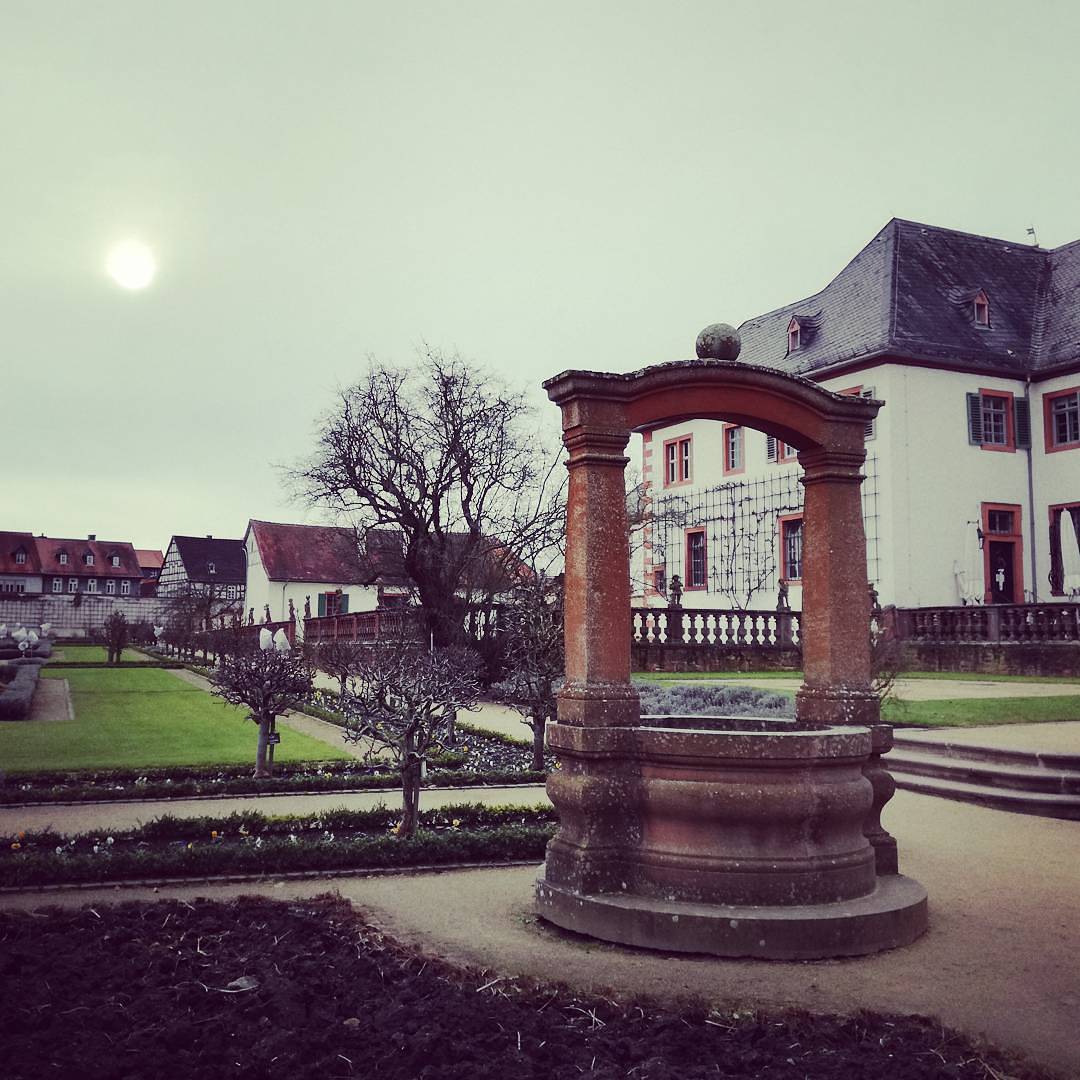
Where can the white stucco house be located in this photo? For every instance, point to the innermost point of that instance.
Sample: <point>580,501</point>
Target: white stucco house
<point>323,568</point>
<point>972,490</point>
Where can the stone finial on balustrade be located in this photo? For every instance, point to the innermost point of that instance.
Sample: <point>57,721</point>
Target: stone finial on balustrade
<point>292,610</point>
<point>782,601</point>
<point>307,607</point>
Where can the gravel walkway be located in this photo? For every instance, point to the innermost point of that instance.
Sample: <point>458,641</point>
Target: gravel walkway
<point>999,959</point>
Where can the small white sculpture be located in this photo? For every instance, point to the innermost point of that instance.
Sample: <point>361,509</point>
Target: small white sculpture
<point>281,641</point>
<point>266,639</point>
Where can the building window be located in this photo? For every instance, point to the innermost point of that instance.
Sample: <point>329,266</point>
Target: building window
<point>125,587</point>
<point>982,310</point>
<point>870,427</point>
<point>998,421</point>
<point>1003,554</point>
<point>20,558</point>
<point>211,568</point>
<point>734,461</point>
<point>794,335</point>
<point>88,558</point>
<point>696,574</point>
<point>1065,549</point>
<point>677,460</point>
<point>73,584</point>
<point>63,558</point>
<point>91,585</point>
<point>333,603</point>
<point>791,548</point>
<point>57,584</point>
<point>660,581</point>
<point>115,560</point>
<point>110,588</point>
<point>779,451</point>
<point>1061,415</point>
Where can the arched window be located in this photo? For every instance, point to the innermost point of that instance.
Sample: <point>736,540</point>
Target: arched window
<point>982,309</point>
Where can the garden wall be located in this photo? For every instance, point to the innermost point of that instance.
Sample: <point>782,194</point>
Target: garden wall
<point>994,658</point>
<point>713,658</point>
<point>71,620</point>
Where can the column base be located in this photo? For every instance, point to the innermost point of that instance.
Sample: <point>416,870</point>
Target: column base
<point>893,915</point>
<point>836,705</point>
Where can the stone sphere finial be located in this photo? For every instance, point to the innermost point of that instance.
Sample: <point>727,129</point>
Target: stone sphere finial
<point>719,342</point>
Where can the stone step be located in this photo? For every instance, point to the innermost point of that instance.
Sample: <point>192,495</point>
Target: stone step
<point>1042,804</point>
<point>1029,776</point>
<point>908,739</point>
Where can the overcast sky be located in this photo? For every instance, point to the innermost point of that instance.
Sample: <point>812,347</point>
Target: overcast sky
<point>538,186</point>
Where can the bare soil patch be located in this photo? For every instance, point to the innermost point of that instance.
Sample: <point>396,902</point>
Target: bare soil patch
<point>262,988</point>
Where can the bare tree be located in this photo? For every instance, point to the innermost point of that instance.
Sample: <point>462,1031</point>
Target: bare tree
<point>405,705</point>
<point>340,660</point>
<point>116,632</point>
<point>269,682</point>
<point>533,643</point>
<point>192,611</point>
<point>452,461</point>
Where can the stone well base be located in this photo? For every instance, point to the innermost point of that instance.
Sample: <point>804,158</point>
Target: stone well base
<point>894,914</point>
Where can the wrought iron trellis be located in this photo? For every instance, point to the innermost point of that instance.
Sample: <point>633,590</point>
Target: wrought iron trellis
<point>741,522</point>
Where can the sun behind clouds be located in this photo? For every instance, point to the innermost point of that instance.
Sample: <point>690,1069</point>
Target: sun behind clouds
<point>131,264</point>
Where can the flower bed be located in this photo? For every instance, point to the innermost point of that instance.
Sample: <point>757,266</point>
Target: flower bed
<point>307,990</point>
<point>251,843</point>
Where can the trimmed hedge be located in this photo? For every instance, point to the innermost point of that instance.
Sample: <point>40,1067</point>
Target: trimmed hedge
<point>23,790</point>
<point>251,844</point>
<point>17,696</point>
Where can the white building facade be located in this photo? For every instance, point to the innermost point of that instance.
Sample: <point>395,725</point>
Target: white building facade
<point>972,489</point>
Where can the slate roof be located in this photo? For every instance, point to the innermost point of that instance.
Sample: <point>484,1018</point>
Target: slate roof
<point>198,552</point>
<point>910,292</point>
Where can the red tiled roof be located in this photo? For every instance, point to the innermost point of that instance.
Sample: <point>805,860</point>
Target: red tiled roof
<point>149,559</point>
<point>10,543</point>
<point>310,553</point>
<point>49,550</point>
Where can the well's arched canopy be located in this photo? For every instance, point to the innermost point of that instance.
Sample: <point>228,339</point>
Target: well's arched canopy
<point>788,407</point>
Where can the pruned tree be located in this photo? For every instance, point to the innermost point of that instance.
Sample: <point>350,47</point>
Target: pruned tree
<point>268,682</point>
<point>192,611</point>
<point>404,706</point>
<point>453,462</point>
<point>532,632</point>
<point>340,660</point>
<point>116,632</point>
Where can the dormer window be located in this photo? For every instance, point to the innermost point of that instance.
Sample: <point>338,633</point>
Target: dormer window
<point>794,335</point>
<point>63,558</point>
<point>982,310</point>
<point>88,559</point>
<point>211,568</point>
<point>114,560</point>
<point>20,557</point>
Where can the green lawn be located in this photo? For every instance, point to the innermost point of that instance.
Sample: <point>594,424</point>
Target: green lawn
<point>131,717</point>
<point>984,712</point>
<point>87,654</point>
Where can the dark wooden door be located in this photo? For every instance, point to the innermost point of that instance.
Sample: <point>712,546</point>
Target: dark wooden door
<point>1002,583</point>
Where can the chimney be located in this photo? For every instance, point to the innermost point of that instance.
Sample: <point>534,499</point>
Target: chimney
<point>91,536</point>
<point>209,537</point>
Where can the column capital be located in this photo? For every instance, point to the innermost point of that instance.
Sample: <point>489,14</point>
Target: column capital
<point>596,446</point>
<point>827,465</point>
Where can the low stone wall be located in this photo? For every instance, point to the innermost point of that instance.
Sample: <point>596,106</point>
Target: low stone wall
<point>71,620</point>
<point>713,658</point>
<point>994,658</point>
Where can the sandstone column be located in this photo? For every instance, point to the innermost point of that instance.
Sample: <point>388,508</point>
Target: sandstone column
<point>836,621</point>
<point>596,598</point>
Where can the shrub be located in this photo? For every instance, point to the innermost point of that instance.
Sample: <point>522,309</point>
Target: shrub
<point>18,695</point>
<point>712,701</point>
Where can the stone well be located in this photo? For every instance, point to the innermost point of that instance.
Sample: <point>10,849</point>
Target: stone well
<point>731,837</point>
<point>735,837</point>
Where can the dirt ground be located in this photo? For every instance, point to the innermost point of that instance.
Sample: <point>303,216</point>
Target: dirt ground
<point>259,988</point>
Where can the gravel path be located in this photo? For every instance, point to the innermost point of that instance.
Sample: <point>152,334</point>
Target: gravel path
<point>93,817</point>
